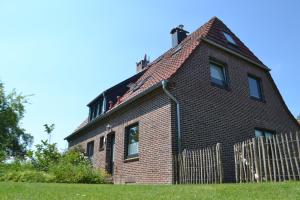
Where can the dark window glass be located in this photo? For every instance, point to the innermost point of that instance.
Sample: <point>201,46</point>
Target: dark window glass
<point>101,143</point>
<point>132,133</point>
<point>90,149</point>
<point>263,133</point>
<point>96,109</point>
<point>255,87</point>
<point>218,75</point>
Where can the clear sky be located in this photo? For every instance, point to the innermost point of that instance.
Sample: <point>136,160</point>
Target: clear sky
<point>66,52</point>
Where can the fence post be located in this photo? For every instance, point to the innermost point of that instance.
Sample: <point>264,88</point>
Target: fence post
<point>257,172</point>
<point>294,155</point>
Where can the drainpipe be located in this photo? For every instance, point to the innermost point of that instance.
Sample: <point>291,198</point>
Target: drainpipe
<point>164,86</point>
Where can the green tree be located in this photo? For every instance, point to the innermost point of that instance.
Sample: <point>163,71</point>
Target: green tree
<point>13,138</point>
<point>46,153</point>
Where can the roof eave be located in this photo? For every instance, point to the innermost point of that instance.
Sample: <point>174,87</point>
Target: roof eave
<point>235,53</point>
<point>115,109</point>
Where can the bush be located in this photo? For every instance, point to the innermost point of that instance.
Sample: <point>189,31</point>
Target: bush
<point>68,173</point>
<point>71,167</point>
<point>74,167</point>
<point>27,176</point>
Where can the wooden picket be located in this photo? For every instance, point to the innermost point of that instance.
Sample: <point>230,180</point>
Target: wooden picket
<point>199,166</point>
<point>275,158</point>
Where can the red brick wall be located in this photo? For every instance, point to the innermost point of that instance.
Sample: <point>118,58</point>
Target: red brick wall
<point>210,114</point>
<point>153,114</point>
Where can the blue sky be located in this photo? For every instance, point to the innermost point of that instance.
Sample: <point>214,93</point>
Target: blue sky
<point>67,52</point>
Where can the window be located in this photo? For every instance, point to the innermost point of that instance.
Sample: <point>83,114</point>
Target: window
<point>218,75</point>
<point>229,38</point>
<point>132,141</point>
<point>90,149</point>
<point>263,133</point>
<point>255,87</point>
<point>96,109</point>
<point>101,143</point>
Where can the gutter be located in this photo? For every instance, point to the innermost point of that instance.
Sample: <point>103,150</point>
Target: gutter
<point>143,93</point>
<point>164,86</point>
<point>162,83</point>
<point>235,53</point>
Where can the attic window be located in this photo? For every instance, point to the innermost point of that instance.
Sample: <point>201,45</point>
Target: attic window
<point>178,48</point>
<point>135,86</point>
<point>229,38</point>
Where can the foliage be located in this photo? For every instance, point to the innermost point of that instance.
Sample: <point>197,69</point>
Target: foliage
<point>13,139</point>
<point>22,171</point>
<point>28,176</point>
<point>74,167</point>
<point>71,167</point>
<point>46,154</point>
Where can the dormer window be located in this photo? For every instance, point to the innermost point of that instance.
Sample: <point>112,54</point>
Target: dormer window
<point>96,109</point>
<point>229,38</point>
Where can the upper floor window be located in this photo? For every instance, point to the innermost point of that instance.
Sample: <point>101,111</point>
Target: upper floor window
<point>132,141</point>
<point>263,133</point>
<point>90,149</point>
<point>96,109</point>
<point>218,75</point>
<point>255,87</point>
<point>229,38</point>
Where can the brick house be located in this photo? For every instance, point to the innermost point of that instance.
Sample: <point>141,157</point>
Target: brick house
<point>208,88</point>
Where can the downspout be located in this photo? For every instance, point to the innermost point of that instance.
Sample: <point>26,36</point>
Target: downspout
<point>164,86</point>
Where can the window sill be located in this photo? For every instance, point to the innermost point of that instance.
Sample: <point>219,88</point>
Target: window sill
<point>257,99</point>
<point>101,149</point>
<point>132,159</point>
<point>225,87</point>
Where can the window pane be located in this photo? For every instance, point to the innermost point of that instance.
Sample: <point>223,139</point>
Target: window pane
<point>217,74</point>
<point>254,87</point>
<point>259,133</point>
<point>229,38</point>
<point>133,141</point>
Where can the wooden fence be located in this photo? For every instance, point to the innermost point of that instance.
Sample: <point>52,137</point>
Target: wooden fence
<point>275,158</point>
<point>199,166</point>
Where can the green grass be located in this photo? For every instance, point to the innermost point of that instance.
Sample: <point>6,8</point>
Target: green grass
<point>45,191</point>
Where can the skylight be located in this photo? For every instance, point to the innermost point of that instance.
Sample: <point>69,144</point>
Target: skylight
<point>229,38</point>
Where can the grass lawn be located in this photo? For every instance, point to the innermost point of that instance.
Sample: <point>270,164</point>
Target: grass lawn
<point>44,191</point>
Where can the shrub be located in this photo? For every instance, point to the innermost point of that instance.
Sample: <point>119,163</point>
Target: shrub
<point>68,173</point>
<point>27,176</point>
<point>74,167</point>
<point>45,155</point>
<point>71,167</point>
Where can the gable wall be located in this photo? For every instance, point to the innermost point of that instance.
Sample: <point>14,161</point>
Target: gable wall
<point>210,114</point>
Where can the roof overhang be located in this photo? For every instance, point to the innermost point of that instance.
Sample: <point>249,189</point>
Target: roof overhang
<point>235,53</point>
<point>115,109</point>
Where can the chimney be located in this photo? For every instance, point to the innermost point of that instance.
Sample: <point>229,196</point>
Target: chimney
<point>178,35</point>
<point>143,64</point>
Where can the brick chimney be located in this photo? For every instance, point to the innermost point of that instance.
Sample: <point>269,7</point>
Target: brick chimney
<point>178,35</point>
<point>143,64</point>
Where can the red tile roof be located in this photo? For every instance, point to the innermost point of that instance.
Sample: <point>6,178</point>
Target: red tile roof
<point>166,65</point>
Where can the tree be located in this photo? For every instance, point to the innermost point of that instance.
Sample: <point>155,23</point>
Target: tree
<point>13,138</point>
<point>46,153</point>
